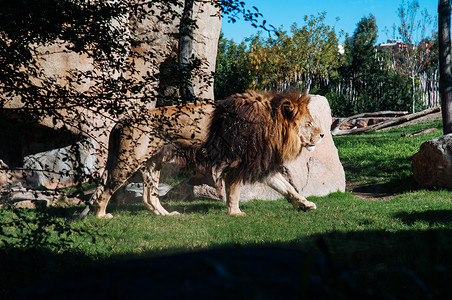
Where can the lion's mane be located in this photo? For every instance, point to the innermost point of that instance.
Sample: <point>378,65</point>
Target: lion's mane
<point>252,134</point>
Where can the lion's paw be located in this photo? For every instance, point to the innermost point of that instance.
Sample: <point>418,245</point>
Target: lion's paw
<point>174,213</point>
<point>239,214</point>
<point>106,216</point>
<point>307,206</point>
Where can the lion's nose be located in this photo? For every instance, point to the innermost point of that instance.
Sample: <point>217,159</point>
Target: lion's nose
<point>321,135</point>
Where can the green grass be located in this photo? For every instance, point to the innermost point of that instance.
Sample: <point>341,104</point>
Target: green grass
<point>411,231</point>
<point>382,157</point>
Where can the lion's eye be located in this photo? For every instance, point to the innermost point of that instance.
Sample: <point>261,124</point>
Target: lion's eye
<point>309,124</point>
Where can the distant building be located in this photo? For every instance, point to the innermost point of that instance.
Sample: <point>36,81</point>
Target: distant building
<point>394,44</point>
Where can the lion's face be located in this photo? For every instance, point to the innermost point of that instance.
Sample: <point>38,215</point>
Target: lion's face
<point>310,134</point>
<point>296,111</point>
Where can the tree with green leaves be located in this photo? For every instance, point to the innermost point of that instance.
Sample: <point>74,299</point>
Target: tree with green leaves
<point>371,82</point>
<point>309,53</point>
<point>315,49</point>
<point>231,69</point>
<point>360,49</point>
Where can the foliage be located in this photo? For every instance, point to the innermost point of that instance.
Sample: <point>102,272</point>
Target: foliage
<point>288,60</point>
<point>360,49</point>
<point>365,78</point>
<point>231,60</point>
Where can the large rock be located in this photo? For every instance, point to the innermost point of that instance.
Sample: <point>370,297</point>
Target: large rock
<point>432,165</point>
<point>316,173</point>
<point>53,169</point>
<point>60,167</point>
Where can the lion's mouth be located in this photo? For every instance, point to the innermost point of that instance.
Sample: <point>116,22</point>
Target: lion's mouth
<point>310,148</point>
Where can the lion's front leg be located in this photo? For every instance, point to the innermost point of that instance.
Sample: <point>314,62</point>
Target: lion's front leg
<point>151,176</point>
<point>280,184</point>
<point>232,188</point>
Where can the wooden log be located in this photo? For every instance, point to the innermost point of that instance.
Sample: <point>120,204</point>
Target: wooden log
<point>383,125</point>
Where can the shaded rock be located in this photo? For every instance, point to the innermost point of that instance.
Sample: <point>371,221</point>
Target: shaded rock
<point>60,167</point>
<point>432,165</point>
<point>199,186</point>
<point>16,195</point>
<point>31,203</point>
<point>181,192</point>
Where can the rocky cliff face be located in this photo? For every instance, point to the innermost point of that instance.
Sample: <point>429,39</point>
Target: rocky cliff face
<point>159,40</point>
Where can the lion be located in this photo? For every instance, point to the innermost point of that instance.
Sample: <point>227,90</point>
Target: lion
<point>244,138</point>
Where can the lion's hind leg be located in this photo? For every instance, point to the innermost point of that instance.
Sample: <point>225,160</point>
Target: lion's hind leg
<point>105,191</point>
<point>151,176</point>
<point>233,187</point>
<point>280,184</point>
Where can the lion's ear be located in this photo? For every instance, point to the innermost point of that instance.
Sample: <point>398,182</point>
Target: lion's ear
<point>287,109</point>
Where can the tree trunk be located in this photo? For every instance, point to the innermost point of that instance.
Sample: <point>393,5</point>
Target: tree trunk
<point>186,29</point>
<point>413,94</point>
<point>308,84</point>
<point>445,82</point>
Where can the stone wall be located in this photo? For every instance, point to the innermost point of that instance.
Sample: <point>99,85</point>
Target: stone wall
<point>162,39</point>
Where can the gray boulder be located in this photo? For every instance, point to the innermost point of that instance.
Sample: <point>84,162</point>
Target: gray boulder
<point>432,165</point>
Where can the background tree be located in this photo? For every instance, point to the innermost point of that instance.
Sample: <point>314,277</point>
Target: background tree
<point>413,57</point>
<point>270,61</point>
<point>316,47</point>
<point>231,69</point>
<point>360,49</point>
<point>297,59</point>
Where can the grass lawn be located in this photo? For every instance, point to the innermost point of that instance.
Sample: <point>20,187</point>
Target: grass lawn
<point>410,233</point>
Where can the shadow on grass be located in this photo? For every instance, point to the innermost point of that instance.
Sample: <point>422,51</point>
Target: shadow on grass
<point>432,217</point>
<point>335,265</point>
<point>189,207</point>
<point>384,189</point>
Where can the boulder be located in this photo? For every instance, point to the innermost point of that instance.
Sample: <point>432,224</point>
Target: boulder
<point>432,165</point>
<point>316,173</point>
<point>59,168</point>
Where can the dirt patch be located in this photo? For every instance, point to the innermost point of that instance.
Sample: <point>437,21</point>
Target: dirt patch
<point>380,191</point>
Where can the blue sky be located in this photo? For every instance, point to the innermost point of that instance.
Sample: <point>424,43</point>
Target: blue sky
<point>350,12</point>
